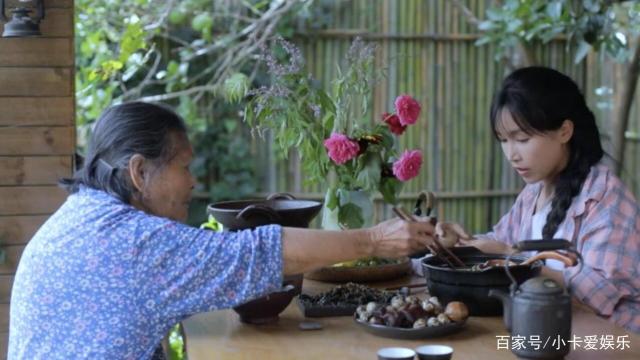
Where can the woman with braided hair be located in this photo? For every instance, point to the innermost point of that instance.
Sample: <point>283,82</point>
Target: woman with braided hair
<point>551,139</point>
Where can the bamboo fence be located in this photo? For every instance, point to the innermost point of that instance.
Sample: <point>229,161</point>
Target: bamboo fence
<point>428,48</point>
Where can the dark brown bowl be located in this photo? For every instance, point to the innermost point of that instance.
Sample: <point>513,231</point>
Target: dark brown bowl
<point>266,309</point>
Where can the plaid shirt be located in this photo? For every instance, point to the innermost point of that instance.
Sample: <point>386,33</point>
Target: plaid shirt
<point>604,220</point>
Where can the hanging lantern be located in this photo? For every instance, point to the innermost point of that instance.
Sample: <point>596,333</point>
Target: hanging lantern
<point>21,23</point>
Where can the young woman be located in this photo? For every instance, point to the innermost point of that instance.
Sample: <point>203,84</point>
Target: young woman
<point>550,137</point>
<point>114,268</point>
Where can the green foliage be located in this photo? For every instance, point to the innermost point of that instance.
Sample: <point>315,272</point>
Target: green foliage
<point>590,24</point>
<point>212,224</point>
<point>302,116</point>
<point>296,110</point>
<point>138,49</point>
<point>176,344</point>
<point>236,87</point>
<point>350,215</point>
<point>222,161</point>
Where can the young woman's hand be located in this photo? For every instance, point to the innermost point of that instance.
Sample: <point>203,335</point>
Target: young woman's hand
<point>396,237</point>
<point>449,234</point>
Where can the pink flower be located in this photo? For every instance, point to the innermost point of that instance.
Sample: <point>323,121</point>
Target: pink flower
<point>408,109</point>
<point>408,166</point>
<point>340,148</point>
<point>393,121</point>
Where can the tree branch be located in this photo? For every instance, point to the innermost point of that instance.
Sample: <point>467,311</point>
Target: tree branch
<point>163,16</point>
<point>471,18</point>
<point>273,13</point>
<point>177,94</point>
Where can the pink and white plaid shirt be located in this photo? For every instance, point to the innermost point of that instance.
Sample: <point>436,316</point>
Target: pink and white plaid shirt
<point>605,219</point>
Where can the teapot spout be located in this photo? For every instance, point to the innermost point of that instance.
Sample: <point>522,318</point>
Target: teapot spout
<point>506,303</point>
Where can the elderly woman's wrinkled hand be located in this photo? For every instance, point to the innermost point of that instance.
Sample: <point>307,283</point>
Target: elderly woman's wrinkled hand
<point>396,237</point>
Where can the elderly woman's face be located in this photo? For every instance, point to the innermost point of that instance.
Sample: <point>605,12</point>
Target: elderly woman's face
<point>166,191</point>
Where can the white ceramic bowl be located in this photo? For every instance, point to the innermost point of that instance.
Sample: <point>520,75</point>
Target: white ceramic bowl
<point>396,353</point>
<point>434,352</point>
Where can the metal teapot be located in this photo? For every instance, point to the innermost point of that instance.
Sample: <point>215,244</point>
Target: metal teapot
<point>539,311</point>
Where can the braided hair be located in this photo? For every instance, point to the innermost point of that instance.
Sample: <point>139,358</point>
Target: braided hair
<point>121,132</point>
<point>540,99</point>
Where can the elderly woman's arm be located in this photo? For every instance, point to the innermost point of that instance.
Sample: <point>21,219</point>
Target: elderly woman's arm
<point>305,250</point>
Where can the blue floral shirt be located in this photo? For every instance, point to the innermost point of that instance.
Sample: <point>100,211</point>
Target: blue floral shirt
<point>103,280</point>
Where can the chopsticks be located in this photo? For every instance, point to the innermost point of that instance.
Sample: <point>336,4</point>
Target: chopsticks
<point>438,250</point>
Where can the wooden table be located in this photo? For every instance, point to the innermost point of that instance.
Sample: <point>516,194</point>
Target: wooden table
<point>220,335</point>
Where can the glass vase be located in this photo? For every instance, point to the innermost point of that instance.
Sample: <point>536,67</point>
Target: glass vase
<point>361,199</point>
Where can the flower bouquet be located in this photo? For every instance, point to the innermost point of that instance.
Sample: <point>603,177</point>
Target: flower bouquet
<point>334,132</point>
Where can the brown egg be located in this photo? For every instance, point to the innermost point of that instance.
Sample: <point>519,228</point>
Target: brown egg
<point>456,311</point>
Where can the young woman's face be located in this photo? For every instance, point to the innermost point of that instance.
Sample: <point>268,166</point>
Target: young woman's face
<point>167,191</point>
<point>538,157</point>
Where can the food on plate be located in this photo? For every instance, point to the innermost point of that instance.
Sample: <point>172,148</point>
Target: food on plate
<point>349,294</point>
<point>456,311</point>
<point>367,261</point>
<point>412,313</point>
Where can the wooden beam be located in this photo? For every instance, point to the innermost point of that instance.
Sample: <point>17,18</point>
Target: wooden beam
<point>36,51</point>
<point>37,140</point>
<point>13,254</point>
<point>57,22</point>
<point>18,230</point>
<point>30,200</point>
<point>35,81</point>
<point>37,111</point>
<point>32,170</point>
<point>6,283</point>
<point>4,344</point>
<point>4,318</point>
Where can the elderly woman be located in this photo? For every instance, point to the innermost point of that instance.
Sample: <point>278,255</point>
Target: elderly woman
<point>115,268</point>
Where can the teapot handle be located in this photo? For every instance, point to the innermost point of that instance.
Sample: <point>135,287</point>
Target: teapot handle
<point>426,198</point>
<point>542,245</point>
<point>260,210</point>
<point>544,255</point>
<point>281,196</point>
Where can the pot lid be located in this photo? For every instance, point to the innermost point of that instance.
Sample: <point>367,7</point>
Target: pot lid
<point>541,285</point>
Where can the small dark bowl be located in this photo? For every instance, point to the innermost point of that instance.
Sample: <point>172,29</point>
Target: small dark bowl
<point>434,352</point>
<point>266,309</point>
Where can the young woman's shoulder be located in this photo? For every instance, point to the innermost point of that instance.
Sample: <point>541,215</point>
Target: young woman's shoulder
<point>606,189</point>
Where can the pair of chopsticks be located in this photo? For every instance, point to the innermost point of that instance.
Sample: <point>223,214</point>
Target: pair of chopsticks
<point>438,250</point>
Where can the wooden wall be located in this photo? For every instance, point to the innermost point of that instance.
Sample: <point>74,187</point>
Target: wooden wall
<point>37,136</point>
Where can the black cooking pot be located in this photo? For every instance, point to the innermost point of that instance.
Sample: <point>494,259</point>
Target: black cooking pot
<point>472,287</point>
<point>280,208</point>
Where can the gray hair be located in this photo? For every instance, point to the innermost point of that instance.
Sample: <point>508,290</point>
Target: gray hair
<point>121,132</point>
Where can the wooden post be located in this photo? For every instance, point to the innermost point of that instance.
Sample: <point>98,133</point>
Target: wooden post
<point>37,136</point>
